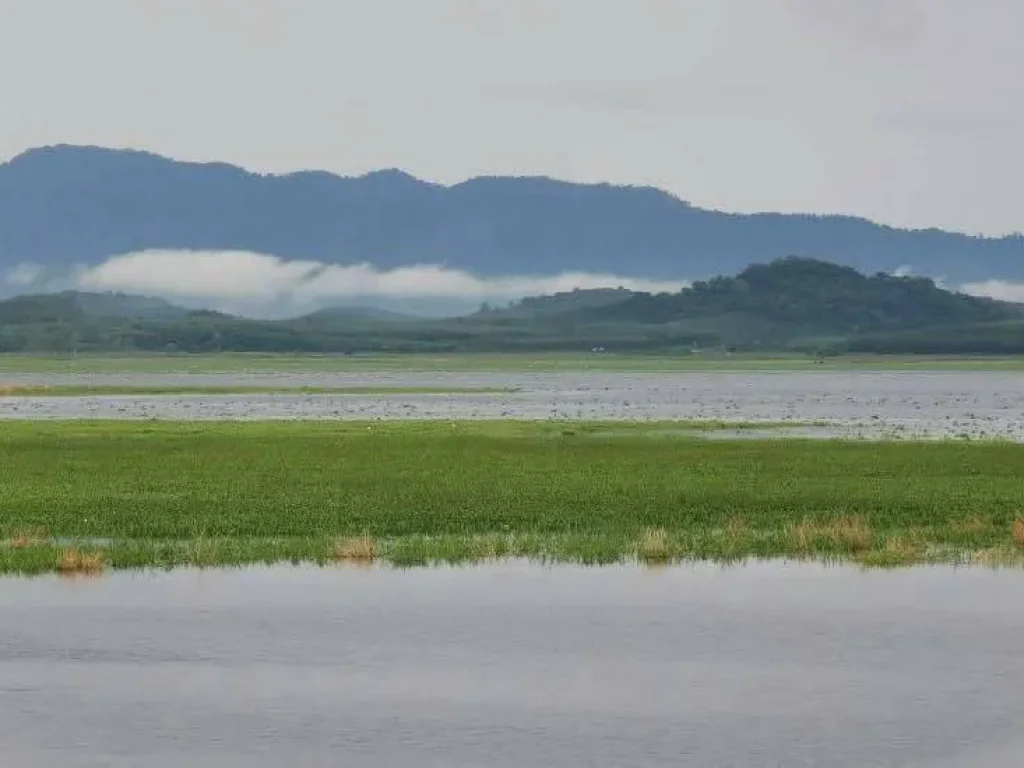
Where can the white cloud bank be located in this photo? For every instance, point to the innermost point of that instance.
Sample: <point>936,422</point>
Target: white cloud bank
<point>235,275</point>
<point>246,281</point>
<point>23,275</point>
<point>996,289</point>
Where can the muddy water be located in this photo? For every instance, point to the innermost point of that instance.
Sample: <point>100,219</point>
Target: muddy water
<point>513,665</point>
<point>871,404</point>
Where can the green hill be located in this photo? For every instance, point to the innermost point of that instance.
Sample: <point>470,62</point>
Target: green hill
<point>794,297</point>
<point>790,304</point>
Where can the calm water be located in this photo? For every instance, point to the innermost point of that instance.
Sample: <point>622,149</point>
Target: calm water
<point>855,403</point>
<point>515,665</point>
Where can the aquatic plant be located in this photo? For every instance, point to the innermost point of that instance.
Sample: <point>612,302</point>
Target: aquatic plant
<point>355,548</point>
<point>73,560</point>
<point>172,493</point>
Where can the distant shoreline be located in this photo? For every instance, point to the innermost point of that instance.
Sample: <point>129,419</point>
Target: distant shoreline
<point>228,362</point>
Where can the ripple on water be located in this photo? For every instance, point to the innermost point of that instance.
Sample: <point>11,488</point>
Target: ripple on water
<point>510,664</point>
<point>972,404</point>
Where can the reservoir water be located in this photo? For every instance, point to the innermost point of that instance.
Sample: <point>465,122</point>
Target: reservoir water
<point>514,664</point>
<point>873,404</point>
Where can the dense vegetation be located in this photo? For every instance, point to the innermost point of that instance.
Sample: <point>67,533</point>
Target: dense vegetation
<point>170,493</point>
<point>790,304</point>
<point>64,206</point>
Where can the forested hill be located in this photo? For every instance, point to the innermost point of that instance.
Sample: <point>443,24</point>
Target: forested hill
<point>813,297</point>
<point>64,206</point>
<point>790,304</point>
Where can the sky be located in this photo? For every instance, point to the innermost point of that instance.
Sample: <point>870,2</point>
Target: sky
<point>904,111</point>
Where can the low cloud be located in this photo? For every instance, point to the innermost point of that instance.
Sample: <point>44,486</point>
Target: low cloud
<point>22,275</point>
<point>996,289</point>
<point>231,276</point>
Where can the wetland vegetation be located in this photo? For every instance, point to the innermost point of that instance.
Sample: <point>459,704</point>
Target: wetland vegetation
<point>98,390</point>
<point>540,362</point>
<point>82,496</point>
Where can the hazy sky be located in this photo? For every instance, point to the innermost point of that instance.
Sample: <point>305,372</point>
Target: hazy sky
<point>906,111</point>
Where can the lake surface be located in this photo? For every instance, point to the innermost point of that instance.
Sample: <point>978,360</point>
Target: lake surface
<point>977,404</point>
<point>514,665</point>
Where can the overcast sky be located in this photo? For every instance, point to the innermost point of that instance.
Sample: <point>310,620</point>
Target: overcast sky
<point>906,111</point>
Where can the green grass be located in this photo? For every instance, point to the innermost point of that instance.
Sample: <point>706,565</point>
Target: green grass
<point>238,362</point>
<point>167,494</point>
<point>87,390</point>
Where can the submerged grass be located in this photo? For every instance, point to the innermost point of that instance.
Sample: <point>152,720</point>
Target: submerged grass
<point>82,496</point>
<point>1018,533</point>
<point>359,548</point>
<point>75,561</point>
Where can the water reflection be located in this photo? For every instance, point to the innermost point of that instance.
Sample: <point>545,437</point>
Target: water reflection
<point>515,664</point>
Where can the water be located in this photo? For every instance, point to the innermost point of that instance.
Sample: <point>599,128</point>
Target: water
<point>976,404</point>
<point>513,665</point>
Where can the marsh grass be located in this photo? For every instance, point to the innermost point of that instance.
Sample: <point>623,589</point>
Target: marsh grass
<point>104,390</point>
<point>22,538</point>
<point>897,551</point>
<point>543,361</point>
<point>167,494</point>
<point>355,548</point>
<point>75,561</point>
<point>654,545</point>
<point>1018,533</point>
<point>888,551</point>
<point>845,535</point>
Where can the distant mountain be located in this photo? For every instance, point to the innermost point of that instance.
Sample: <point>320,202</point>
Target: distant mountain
<point>788,304</point>
<point>66,205</point>
<point>71,306</point>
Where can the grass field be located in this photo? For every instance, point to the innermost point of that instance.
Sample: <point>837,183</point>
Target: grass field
<point>88,390</point>
<point>229,363</point>
<point>83,496</point>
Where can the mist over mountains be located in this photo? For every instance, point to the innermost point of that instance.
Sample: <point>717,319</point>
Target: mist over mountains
<point>791,305</point>
<point>105,219</point>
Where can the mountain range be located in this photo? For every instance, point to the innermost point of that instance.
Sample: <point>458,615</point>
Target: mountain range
<point>63,206</point>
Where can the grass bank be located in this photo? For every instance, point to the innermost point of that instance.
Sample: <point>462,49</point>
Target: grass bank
<point>82,496</point>
<point>252,363</point>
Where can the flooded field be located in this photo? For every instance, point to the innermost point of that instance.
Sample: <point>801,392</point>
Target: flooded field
<point>512,664</point>
<point>975,404</point>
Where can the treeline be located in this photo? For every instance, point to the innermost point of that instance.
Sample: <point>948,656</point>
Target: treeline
<point>980,339</point>
<point>207,333</point>
<point>814,297</point>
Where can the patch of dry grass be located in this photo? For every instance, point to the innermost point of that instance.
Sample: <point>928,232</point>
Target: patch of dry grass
<point>1018,534</point>
<point>75,561</point>
<point>23,538</point>
<point>653,545</point>
<point>356,548</point>
<point>898,551</point>
<point>852,534</point>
